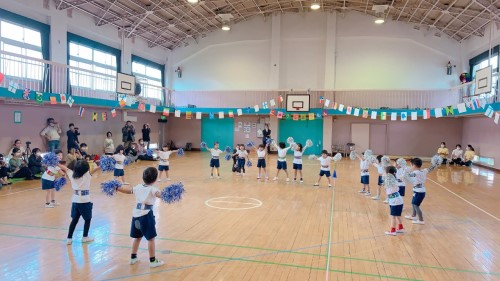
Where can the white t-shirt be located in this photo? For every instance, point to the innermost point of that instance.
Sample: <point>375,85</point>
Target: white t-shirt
<point>164,156</point>
<point>119,158</point>
<point>144,194</point>
<point>50,173</point>
<point>418,177</point>
<point>390,189</point>
<point>400,176</point>
<point>457,153</point>
<point>380,169</point>
<point>261,153</point>
<point>215,152</point>
<point>364,165</point>
<point>242,153</point>
<point>80,184</point>
<point>297,157</point>
<point>325,163</point>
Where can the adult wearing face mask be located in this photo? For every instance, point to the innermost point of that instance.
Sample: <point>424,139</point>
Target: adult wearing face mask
<point>35,162</point>
<point>53,134</point>
<point>443,152</point>
<point>72,135</point>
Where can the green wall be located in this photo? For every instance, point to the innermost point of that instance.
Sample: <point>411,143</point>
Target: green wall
<point>301,131</point>
<point>221,130</point>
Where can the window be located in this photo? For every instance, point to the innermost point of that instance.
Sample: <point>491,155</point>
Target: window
<point>481,61</point>
<point>150,76</point>
<point>15,38</point>
<point>95,65</point>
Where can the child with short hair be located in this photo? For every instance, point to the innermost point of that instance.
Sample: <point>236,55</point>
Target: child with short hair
<point>242,156</point>
<point>73,155</point>
<point>400,175</point>
<point>380,170</point>
<point>80,176</point>
<point>325,167</point>
<point>4,171</point>
<point>395,201</point>
<point>364,165</point>
<point>282,150</point>
<point>48,179</point>
<point>143,219</point>
<point>417,177</point>
<point>214,161</point>
<point>120,159</point>
<point>261,160</point>
<point>297,161</point>
<point>164,156</point>
<point>83,149</point>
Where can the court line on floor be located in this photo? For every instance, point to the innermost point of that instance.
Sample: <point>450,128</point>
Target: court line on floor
<point>330,234</point>
<point>222,259</point>
<point>465,200</point>
<point>20,191</point>
<point>292,251</point>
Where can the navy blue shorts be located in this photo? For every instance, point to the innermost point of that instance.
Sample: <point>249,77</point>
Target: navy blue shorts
<point>402,190</point>
<point>418,197</point>
<point>365,179</point>
<point>261,163</point>
<point>281,165</point>
<point>82,209</point>
<point>214,163</point>
<point>324,173</point>
<point>297,166</point>
<point>396,210</point>
<point>119,173</point>
<point>380,180</point>
<point>144,226</point>
<point>241,163</point>
<point>163,168</point>
<point>47,184</point>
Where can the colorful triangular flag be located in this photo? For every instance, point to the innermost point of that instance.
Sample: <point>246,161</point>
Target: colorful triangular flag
<point>113,113</point>
<point>325,112</point>
<point>81,112</point>
<point>438,112</point>
<point>211,115</point>
<point>256,108</point>
<point>13,86</point>
<point>461,108</point>
<point>383,116</point>
<point>374,115</point>
<point>122,103</point>
<point>280,98</point>
<point>39,97</point>
<point>321,99</point>
<point>404,116</point>
<point>279,115</point>
<point>166,111</point>
<point>264,105</point>
<point>188,115</point>
<point>94,116</point>
<point>356,112</point>
<point>349,110</point>
<point>341,107</point>
<point>70,101</point>
<point>365,113</point>
<point>303,117</point>
<point>272,102</point>
<point>231,114</point>
<point>426,113</point>
<point>497,116</point>
<point>177,113</point>
<point>489,111</point>
<point>414,116</point>
<point>327,102</point>
<point>239,111</point>
<point>221,114</point>
<point>311,116</point>
<point>394,116</point>
<point>272,112</point>
<point>152,108</point>
<point>53,100</point>
<point>335,105</point>
<point>198,115</point>
<point>141,107</point>
<point>449,110</point>
<point>26,94</point>
<point>295,117</point>
<point>477,102</point>
<point>104,116</point>
<point>63,98</point>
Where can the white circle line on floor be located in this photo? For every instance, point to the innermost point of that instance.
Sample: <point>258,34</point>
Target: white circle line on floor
<point>230,200</point>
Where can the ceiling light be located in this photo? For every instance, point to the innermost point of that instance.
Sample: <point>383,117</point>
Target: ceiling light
<point>226,27</point>
<point>225,18</point>
<point>192,1</point>
<point>380,13</point>
<point>379,20</point>
<point>315,6</point>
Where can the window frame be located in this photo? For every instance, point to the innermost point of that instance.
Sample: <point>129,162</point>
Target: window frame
<point>484,56</point>
<point>151,64</point>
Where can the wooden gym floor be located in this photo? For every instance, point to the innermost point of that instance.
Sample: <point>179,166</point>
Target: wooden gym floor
<point>260,230</point>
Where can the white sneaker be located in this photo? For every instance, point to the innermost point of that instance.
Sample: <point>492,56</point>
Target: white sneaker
<point>55,203</point>
<point>301,181</point>
<point>408,217</point>
<point>69,241</point>
<point>218,177</point>
<point>258,178</point>
<point>267,178</point>
<point>49,205</point>
<point>156,263</point>
<point>386,201</point>
<point>211,177</point>
<point>159,180</point>
<point>362,191</point>
<point>376,197</point>
<point>316,184</point>
<point>133,261</point>
<point>368,193</point>
<point>275,179</point>
<point>168,179</point>
<point>418,222</point>
<point>87,239</point>
<point>125,183</point>
<point>329,185</point>
<point>390,233</point>
<point>287,179</point>
<point>400,231</point>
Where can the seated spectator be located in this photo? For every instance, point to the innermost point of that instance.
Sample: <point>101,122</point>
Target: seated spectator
<point>4,172</point>
<point>18,167</point>
<point>17,144</point>
<point>142,152</point>
<point>469,156</point>
<point>35,162</point>
<point>83,149</point>
<point>73,155</point>
<point>443,152</point>
<point>457,155</point>
<point>132,152</point>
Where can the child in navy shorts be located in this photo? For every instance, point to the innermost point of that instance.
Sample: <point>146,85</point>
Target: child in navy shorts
<point>282,150</point>
<point>164,156</point>
<point>395,201</point>
<point>214,161</point>
<point>143,219</point>
<point>48,178</point>
<point>242,156</point>
<point>364,165</point>
<point>325,167</point>
<point>261,160</point>
<point>401,170</point>
<point>417,177</point>
<point>119,158</point>
<point>298,151</point>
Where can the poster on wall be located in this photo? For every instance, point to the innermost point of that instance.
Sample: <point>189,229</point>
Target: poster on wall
<point>17,117</point>
<point>247,124</point>
<point>247,129</point>
<point>240,124</point>
<point>254,125</point>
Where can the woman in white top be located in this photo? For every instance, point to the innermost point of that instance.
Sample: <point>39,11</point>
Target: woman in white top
<point>53,134</point>
<point>457,155</point>
<point>109,145</point>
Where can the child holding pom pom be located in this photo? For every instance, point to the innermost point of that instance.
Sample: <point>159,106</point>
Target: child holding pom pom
<point>395,200</point>
<point>364,165</point>
<point>261,159</point>
<point>401,170</point>
<point>120,159</point>
<point>282,150</point>
<point>80,176</point>
<point>48,179</point>
<point>297,161</point>
<point>164,165</point>
<point>381,172</point>
<point>143,219</point>
<point>214,161</point>
<point>242,156</point>
<point>325,167</point>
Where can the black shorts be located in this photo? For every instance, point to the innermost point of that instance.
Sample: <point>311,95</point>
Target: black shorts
<point>418,197</point>
<point>297,166</point>
<point>380,180</point>
<point>163,168</point>
<point>402,190</point>
<point>47,184</point>
<point>324,173</point>
<point>214,163</point>
<point>241,163</point>
<point>119,173</point>
<point>82,209</point>
<point>396,210</point>
<point>365,179</point>
<point>281,165</point>
<point>261,163</point>
<point>144,226</point>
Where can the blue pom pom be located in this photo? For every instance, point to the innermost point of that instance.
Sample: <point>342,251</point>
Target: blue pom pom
<point>228,157</point>
<point>228,149</point>
<point>127,161</point>
<point>269,141</point>
<point>107,164</point>
<point>50,160</point>
<point>149,152</point>
<point>180,152</point>
<point>172,193</point>
<point>109,187</point>
<point>249,163</point>
<point>250,144</point>
<point>59,183</point>
<point>203,145</point>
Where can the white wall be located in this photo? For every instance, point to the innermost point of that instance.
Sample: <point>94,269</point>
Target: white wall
<point>366,56</point>
<point>83,25</point>
<point>477,45</point>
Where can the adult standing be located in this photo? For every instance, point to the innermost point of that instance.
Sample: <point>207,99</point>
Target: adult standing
<point>266,133</point>
<point>128,133</point>
<point>52,134</point>
<point>146,130</point>
<point>72,135</point>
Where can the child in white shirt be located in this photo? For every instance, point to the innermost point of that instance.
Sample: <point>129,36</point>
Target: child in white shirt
<point>120,159</point>
<point>325,167</point>
<point>214,161</point>
<point>164,156</point>
<point>282,150</point>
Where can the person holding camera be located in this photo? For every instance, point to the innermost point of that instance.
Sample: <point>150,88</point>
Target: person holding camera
<point>52,134</point>
<point>72,135</point>
<point>128,133</point>
<point>146,130</point>
<point>18,144</point>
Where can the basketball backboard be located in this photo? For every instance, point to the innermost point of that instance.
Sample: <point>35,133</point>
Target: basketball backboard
<point>298,103</point>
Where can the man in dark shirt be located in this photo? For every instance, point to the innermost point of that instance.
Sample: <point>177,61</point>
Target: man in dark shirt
<point>72,135</point>
<point>128,134</point>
